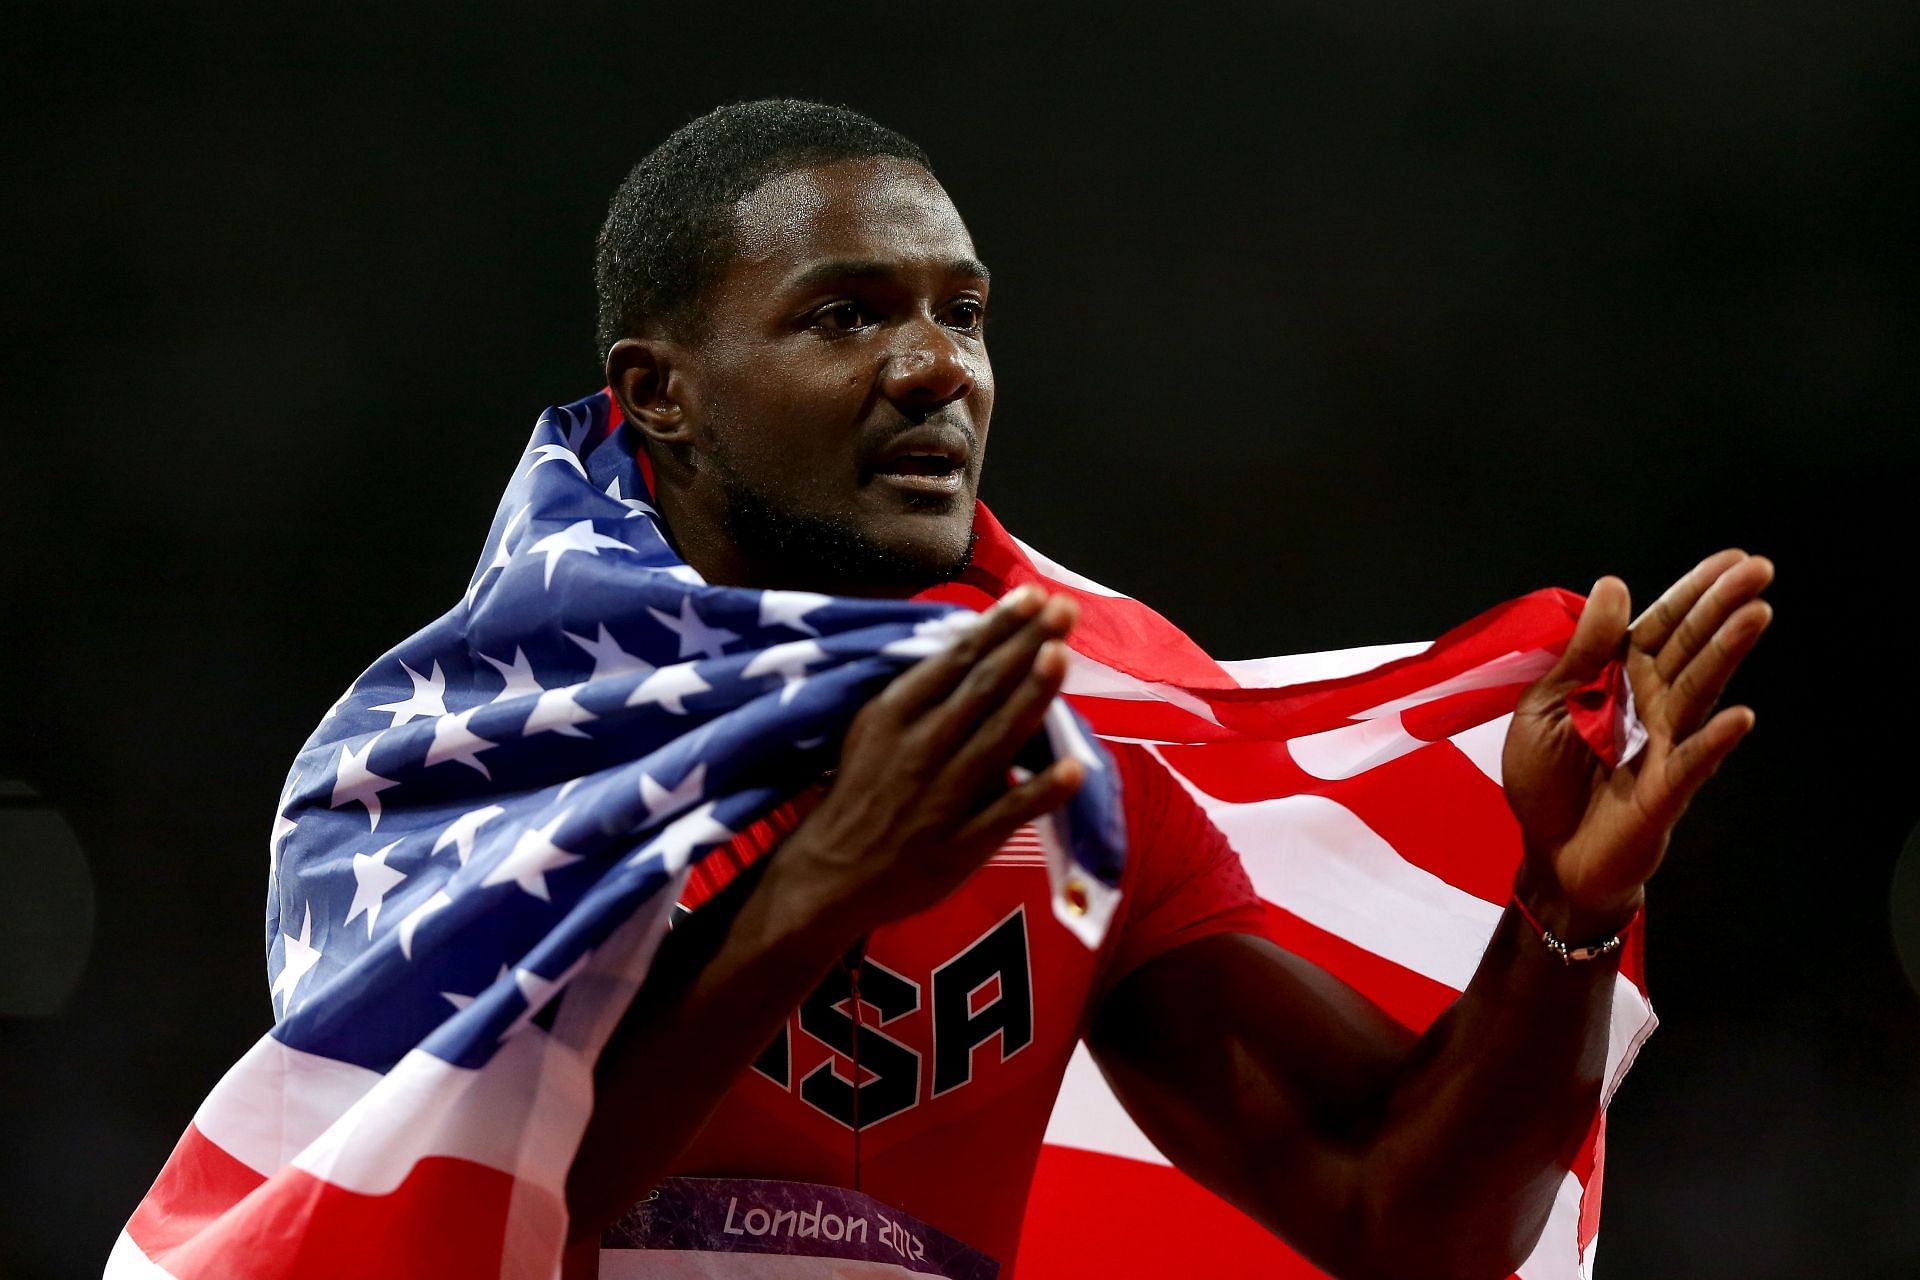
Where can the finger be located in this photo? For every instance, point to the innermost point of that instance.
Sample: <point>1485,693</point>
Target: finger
<point>1701,755</point>
<point>1652,628</point>
<point>1596,637</point>
<point>1008,726</point>
<point>1042,793</point>
<point>1732,589</point>
<point>995,676</point>
<point>1699,686</point>
<point>931,679</point>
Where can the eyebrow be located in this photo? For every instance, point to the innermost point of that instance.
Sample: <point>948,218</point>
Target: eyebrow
<point>868,269</point>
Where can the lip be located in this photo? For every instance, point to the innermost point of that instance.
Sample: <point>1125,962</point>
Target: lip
<point>944,440</point>
<point>947,485</point>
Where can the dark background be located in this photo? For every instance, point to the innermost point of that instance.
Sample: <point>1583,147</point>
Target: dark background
<point>1315,325</point>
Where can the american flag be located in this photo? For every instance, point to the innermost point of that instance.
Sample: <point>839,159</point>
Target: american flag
<point>476,852</point>
<point>1361,789</point>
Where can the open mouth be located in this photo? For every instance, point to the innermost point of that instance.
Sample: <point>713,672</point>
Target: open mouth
<point>927,460</point>
<point>936,465</point>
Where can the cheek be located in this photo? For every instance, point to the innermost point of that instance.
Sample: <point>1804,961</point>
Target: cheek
<point>788,428</point>
<point>981,401</point>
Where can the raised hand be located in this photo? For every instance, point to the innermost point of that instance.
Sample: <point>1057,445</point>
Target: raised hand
<point>920,797</point>
<point>1594,834</point>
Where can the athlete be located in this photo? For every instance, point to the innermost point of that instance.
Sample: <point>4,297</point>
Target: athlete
<point>793,314</point>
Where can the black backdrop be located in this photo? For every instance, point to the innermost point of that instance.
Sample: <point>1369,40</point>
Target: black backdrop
<point>1315,325</point>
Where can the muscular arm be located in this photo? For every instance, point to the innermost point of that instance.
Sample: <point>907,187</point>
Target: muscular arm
<point>1378,1154</point>
<point>1371,1152</point>
<point>919,800</point>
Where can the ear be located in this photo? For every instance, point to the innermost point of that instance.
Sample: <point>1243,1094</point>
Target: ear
<point>648,378</point>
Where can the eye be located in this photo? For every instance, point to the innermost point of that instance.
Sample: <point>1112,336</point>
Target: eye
<point>967,315</point>
<point>842,317</point>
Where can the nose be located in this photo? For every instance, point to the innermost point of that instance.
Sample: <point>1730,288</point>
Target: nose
<point>926,370</point>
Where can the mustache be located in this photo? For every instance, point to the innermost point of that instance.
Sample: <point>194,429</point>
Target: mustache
<point>941,429</point>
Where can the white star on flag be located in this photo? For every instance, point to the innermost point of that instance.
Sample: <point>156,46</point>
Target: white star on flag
<point>534,854</point>
<point>459,1001</point>
<point>538,991</point>
<point>695,635</point>
<point>556,453</point>
<point>429,696</point>
<point>932,636</point>
<point>410,923</point>
<point>282,827</point>
<point>297,960</point>
<point>634,506</point>
<point>788,661</point>
<point>338,703</point>
<point>557,712</point>
<point>355,781</point>
<point>453,739</point>
<point>460,833</point>
<point>373,880</point>
<point>518,674</point>
<point>668,686</point>
<point>577,430</point>
<point>609,659</point>
<point>683,835</point>
<point>790,609</point>
<point>500,553</point>
<point>578,536</point>
<point>662,803</point>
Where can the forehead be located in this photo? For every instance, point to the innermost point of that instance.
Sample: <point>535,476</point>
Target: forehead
<point>876,209</point>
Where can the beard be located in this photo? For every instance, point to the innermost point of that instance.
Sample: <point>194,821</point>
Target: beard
<point>825,551</point>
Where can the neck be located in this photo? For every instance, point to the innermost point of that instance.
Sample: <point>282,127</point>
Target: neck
<point>700,533</point>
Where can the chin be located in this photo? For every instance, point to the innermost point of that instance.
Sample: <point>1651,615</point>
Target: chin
<point>898,554</point>
<point>939,547</point>
<point>933,568</point>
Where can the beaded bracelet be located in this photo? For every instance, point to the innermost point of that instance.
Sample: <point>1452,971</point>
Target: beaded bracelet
<point>1566,953</point>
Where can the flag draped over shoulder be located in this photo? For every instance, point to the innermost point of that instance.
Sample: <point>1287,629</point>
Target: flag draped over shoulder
<point>477,848</point>
<point>475,858</point>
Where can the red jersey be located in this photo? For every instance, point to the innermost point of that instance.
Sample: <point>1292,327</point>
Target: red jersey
<point>923,1072</point>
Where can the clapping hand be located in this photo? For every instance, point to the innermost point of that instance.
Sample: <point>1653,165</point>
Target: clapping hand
<point>1593,834</point>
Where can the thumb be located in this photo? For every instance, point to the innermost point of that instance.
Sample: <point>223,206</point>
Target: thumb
<point>1599,633</point>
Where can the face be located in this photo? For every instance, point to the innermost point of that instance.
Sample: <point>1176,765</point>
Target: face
<point>837,405</point>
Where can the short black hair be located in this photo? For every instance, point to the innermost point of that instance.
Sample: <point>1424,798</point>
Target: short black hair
<point>669,231</point>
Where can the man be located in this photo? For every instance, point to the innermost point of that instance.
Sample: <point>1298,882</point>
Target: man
<point>793,314</point>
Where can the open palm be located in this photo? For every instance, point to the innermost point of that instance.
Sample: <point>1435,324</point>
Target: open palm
<point>1593,833</point>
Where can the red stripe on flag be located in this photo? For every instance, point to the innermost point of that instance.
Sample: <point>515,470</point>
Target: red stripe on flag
<point>1440,813</point>
<point>1593,1157</point>
<point>1118,631</point>
<point>1540,621</point>
<point>1099,1215</point>
<point>1151,721</point>
<point>1433,805</point>
<point>209,1217</point>
<point>1456,713</point>
<point>1411,999</point>
<point>1245,771</point>
<point>199,1183</point>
